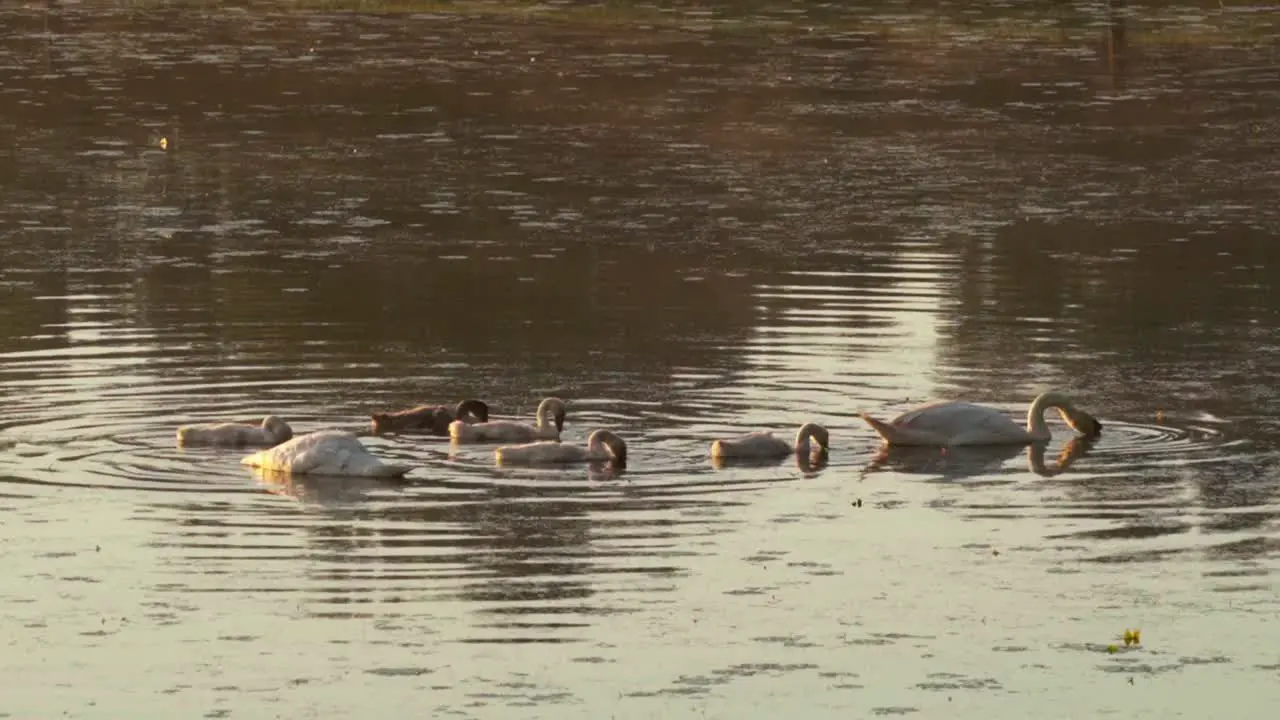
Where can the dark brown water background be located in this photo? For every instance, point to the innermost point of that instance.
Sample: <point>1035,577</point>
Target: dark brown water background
<point>689,222</point>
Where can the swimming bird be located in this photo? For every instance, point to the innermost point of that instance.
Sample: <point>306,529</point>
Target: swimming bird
<point>272,431</point>
<point>433,419</point>
<point>602,445</point>
<point>326,452</point>
<point>548,424</point>
<point>961,423</point>
<point>764,444</point>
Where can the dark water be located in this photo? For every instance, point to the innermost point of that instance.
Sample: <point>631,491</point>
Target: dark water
<point>688,224</point>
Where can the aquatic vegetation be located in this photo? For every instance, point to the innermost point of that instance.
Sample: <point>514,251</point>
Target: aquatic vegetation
<point>1132,638</point>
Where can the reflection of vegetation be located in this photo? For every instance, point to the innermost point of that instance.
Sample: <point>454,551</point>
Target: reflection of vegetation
<point>22,316</point>
<point>1137,299</point>
<point>1156,22</point>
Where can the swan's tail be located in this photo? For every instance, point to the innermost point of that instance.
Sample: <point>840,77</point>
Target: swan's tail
<point>370,466</point>
<point>886,431</point>
<point>394,471</point>
<point>894,435</point>
<point>257,459</point>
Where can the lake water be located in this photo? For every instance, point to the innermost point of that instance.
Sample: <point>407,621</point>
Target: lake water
<point>689,224</point>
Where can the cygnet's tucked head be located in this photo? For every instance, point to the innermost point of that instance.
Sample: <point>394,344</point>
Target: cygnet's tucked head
<point>617,446</point>
<point>278,428</point>
<point>471,411</point>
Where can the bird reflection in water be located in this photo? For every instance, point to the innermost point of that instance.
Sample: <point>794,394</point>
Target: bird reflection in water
<point>598,471</point>
<point>325,489</point>
<point>958,462</point>
<point>605,471</point>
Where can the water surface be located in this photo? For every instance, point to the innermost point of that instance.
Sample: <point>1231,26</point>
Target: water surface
<point>689,224</point>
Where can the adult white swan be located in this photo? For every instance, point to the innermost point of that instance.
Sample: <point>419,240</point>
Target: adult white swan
<point>764,444</point>
<point>961,423</point>
<point>548,423</point>
<point>434,419</point>
<point>272,431</point>
<point>603,445</point>
<point>327,452</point>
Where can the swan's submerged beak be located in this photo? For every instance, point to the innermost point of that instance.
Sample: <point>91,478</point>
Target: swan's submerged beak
<point>1086,425</point>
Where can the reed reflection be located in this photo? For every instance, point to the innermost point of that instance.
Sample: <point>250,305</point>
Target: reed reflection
<point>1114,37</point>
<point>35,309</point>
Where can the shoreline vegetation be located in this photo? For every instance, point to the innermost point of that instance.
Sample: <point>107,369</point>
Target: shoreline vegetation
<point>1152,23</point>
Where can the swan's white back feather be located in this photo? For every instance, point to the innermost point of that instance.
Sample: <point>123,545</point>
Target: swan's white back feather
<point>953,418</point>
<point>963,423</point>
<point>950,423</point>
<point>327,452</point>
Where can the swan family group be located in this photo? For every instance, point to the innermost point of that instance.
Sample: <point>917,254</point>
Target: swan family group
<point>340,453</point>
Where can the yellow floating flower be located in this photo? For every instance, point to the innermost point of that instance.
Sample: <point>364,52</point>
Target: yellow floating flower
<point>164,143</point>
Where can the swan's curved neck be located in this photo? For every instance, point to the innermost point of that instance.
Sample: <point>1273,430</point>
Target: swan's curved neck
<point>1037,428</point>
<point>802,441</point>
<point>603,445</point>
<point>804,437</point>
<point>596,446</point>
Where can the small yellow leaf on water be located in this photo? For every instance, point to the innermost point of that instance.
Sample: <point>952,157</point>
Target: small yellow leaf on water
<point>1132,637</point>
<point>1112,648</point>
<point>164,143</point>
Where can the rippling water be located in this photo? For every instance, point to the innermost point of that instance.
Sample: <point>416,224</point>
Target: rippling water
<point>689,223</point>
